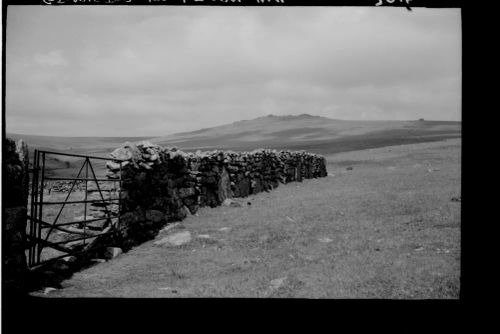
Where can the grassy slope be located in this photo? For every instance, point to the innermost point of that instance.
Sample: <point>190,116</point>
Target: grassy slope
<point>394,234</point>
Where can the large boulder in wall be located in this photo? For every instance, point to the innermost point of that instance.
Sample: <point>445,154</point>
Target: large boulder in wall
<point>242,188</point>
<point>224,186</point>
<point>298,171</point>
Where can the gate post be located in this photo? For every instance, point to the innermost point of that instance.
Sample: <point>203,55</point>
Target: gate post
<point>15,182</point>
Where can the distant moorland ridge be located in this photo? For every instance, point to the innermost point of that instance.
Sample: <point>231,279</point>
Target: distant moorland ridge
<point>316,133</point>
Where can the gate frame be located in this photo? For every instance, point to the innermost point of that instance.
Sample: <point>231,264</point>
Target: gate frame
<point>35,242</point>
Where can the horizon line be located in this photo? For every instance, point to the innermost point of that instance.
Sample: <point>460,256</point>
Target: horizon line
<point>184,132</point>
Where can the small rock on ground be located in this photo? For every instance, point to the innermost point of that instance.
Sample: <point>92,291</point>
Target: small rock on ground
<point>98,260</point>
<point>48,290</point>
<point>231,203</point>
<point>169,227</point>
<point>176,239</point>
<point>70,259</point>
<point>277,283</point>
<point>112,252</point>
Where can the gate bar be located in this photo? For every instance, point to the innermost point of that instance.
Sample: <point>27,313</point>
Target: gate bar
<point>39,252</point>
<point>77,222</point>
<point>34,190</point>
<point>36,240</point>
<point>58,227</point>
<point>78,179</point>
<point>81,156</point>
<point>102,201</point>
<point>78,239</point>
<point>87,161</point>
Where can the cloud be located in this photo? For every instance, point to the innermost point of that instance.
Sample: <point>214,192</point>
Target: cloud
<point>53,58</point>
<point>159,70</point>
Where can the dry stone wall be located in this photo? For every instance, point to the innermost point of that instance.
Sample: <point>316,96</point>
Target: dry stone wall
<point>163,184</point>
<point>15,200</point>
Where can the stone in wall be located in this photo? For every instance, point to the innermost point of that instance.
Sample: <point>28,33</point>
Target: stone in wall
<point>15,199</point>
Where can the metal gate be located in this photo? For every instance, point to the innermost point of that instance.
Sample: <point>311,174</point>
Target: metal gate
<point>54,231</point>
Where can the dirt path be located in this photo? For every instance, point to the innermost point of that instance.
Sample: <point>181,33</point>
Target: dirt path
<point>385,229</point>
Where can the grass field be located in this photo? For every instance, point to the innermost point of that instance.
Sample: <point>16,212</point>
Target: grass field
<point>387,228</point>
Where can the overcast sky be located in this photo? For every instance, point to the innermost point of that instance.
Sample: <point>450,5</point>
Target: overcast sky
<point>147,71</point>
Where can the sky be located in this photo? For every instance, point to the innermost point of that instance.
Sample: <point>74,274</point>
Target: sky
<point>153,71</point>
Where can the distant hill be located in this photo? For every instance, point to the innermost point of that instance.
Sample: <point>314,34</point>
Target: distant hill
<point>308,132</point>
<point>314,133</point>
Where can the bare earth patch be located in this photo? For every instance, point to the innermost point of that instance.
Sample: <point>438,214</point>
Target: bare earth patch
<point>382,225</point>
